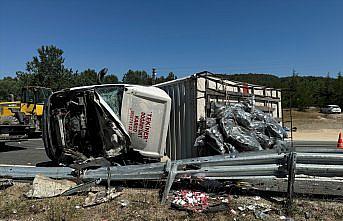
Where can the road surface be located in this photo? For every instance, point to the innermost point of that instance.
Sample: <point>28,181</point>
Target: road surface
<point>32,152</point>
<point>29,152</point>
<point>308,145</point>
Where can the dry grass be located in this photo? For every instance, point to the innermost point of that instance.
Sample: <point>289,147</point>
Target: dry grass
<point>14,206</point>
<point>311,119</point>
<point>144,205</point>
<point>314,126</point>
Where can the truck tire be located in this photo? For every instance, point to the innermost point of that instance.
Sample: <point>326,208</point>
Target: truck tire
<point>50,151</point>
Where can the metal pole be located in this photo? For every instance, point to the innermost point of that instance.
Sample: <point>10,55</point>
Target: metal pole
<point>153,76</point>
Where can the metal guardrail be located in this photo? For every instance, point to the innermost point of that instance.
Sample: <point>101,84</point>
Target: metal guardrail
<point>25,172</point>
<point>243,166</point>
<point>250,164</point>
<point>228,167</point>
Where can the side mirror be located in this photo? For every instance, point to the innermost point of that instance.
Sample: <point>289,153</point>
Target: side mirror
<point>101,75</point>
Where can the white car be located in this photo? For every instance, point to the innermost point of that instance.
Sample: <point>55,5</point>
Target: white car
<point>331,109</point>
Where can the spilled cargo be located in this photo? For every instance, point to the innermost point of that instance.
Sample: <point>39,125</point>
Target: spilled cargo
<point>240,127</point>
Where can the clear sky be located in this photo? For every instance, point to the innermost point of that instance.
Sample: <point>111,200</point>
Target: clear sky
<point>182,36</point>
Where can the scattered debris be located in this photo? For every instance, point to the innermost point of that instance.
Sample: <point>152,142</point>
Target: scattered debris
<point>261,214</point>
<point>197,201</point>
<point>124,203</point>
<point>286,218</point>
<point>91,163</point>
<point>233,212</point>
<point>307,215</point>
<point>43,187</point>
<point>257,198</point>
<point>190,200</point>
<point>81,187</point>
<point>260,210</point>
<point>101,197</point>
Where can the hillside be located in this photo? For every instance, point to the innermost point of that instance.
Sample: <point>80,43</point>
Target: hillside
<point>305,91</point>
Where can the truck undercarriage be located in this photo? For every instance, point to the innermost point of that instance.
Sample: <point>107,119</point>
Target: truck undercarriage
<point>78,127</point>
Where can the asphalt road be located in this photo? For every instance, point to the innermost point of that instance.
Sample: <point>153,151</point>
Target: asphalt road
<point>29,152</point>
<point>308,145</point>
<point>32,152</point>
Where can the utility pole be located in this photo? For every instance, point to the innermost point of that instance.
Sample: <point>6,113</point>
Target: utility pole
<point>153,75</point>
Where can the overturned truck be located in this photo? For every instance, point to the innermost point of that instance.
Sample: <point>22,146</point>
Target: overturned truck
<point>115,121</point>
<point>128,122</point>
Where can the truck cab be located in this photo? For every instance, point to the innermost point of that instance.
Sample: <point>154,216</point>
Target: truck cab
<point>107,120</point>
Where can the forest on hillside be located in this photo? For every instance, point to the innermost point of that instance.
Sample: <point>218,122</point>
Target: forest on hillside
<point>299,91</point>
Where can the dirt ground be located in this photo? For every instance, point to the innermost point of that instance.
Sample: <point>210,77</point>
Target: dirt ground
<point>143,204</point>
<point>314,126</point>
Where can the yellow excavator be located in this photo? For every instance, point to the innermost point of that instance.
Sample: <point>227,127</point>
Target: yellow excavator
<point>29,110</point>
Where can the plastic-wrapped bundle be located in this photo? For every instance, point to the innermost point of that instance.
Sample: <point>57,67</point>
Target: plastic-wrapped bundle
<point>219,110</point>
<point>200,141</point>
<point>259,115</point>
<point>249,105</point>
<point>210,122</point>
<point>227,125</point>
<point>274,129</point>
<point>243,140</point>
<point>243,118</point>
<point>214,139</point>
<point>265,141</point>
<point>240,126</point>
<point>258,126</point>
<point>214,134</point>
<point>281,145</point>
<point>230,148</point>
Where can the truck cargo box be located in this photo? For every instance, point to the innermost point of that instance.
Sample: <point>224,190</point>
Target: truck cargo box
<point>192,99</point>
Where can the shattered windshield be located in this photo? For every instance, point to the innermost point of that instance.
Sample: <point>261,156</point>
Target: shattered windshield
<point>113,96</point>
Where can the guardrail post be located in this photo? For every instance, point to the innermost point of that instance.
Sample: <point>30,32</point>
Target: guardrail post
<point>169,182</point>
<point>291,165</point>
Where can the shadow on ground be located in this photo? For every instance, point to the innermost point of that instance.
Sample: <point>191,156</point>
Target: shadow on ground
<point>6,148</point>
<point>47,164</point>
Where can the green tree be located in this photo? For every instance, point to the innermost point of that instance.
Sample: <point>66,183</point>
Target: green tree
<point>87,77</point>
<point>47,69</point>
<point>8,85</point>
<point>171,76</point>
<point>338,90</point>
<point>137,77</point>
<point>325,91</point>
<point>110,79</point>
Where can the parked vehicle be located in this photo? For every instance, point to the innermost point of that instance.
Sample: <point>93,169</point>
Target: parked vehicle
<point>22,119</point>
<point>29,110</point>
<point>331,109</point>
